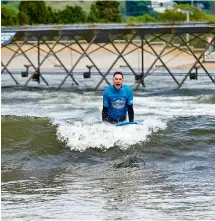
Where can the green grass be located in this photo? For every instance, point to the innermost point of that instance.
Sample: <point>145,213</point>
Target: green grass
<point>15,4</point>
<point>62,4</point>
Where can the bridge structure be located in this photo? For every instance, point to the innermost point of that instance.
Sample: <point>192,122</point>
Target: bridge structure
<point>142,49</point>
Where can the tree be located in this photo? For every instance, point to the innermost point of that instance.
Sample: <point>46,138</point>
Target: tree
<point>52,16</point>
<point>105,12</point>
<point>210,18</point>
<point>36,11</point>
<point>23,18</point>
<point>137,8</point>
<point>179,13</point>
<point>195,13</point>
<point>172,15</point>
<point>8,15</point>
<point>72,15</point>
<point>93,15</point>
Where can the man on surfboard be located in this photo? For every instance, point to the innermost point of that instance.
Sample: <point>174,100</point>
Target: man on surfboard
<point>117,101</point>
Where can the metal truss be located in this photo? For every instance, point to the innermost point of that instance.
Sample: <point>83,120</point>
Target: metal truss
<point>103,36</point>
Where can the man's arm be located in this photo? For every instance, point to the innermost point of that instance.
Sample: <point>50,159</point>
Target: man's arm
<point>130,113</point>
<point>105,106</point>
<point>130,105</point>
<point>104,113</point>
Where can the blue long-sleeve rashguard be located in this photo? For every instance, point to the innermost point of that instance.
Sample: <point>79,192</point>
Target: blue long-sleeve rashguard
<point>117,101</point>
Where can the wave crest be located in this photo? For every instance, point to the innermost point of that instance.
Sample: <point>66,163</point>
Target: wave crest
<point>90,134</point>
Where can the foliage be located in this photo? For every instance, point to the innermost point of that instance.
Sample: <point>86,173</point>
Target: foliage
<point>195,13</point>
<point>8,15</point>
<point>72,15</point>
<point>93,16</point>
<point>60,5</point>
<point>140,19</point>
<point>34,10</point>
<point>153,14</point>
<point>52,16</point>
<point>172,15</point>
<point>196,2</point>
<point>23,18</point>
<point>179,13</point>
<point>210,18</point>
<point>105,12</point>
<point>137,8</point>
<point>37,12</point>
<point>12,3</point>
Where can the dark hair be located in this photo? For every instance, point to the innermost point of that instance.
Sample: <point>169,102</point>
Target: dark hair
<point>117,72</point>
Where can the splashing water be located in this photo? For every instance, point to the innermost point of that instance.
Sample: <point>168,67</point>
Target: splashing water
<point>83,135</point>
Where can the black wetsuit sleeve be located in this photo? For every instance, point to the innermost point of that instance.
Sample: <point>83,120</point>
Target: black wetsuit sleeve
<point>130,113</point>
<point>105,113</point>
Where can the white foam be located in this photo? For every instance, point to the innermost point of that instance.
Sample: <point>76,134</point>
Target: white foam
<point>60,106</point>
<point>178,106</point>
<point>83,135</point>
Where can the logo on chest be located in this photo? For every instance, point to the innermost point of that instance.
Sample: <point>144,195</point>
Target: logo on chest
<point>118,103</point>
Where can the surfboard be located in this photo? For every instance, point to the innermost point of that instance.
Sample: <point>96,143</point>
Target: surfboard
<point>125,123</point>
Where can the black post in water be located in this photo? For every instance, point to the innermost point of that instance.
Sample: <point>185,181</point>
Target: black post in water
<point>38,45</point>
<point>142,57</point>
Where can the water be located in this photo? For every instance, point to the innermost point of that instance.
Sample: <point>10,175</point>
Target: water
<point>61,162</point>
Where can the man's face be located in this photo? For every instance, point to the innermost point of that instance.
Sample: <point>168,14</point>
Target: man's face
<point>118,81</point>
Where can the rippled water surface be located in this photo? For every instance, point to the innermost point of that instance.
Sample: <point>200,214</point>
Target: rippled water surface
<point>61,162</point>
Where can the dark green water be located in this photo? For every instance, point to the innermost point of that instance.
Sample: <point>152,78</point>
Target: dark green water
<point>60,162</point>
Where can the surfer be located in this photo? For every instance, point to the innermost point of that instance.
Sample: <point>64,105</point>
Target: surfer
<point>117,101</point>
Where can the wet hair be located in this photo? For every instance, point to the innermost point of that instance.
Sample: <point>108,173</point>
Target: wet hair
<point>117,72</point>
